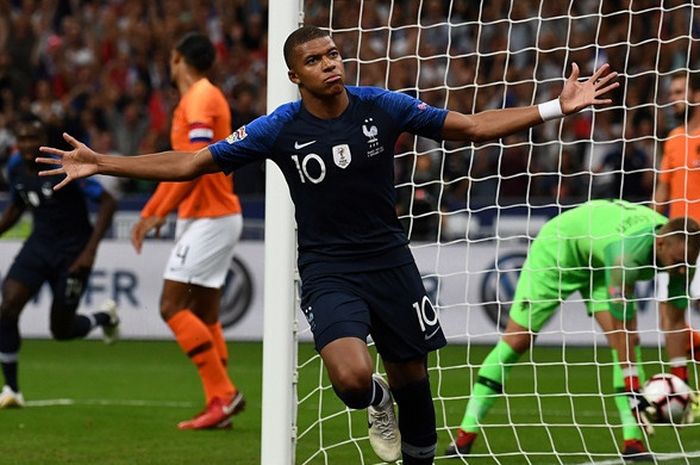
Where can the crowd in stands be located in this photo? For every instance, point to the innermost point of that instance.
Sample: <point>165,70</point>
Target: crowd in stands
<point>99,69</point>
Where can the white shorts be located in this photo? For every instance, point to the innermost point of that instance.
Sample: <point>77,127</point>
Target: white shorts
<point>204,250</point>
<point>661,284</point>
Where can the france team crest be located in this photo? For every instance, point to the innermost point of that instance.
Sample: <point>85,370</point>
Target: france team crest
<point>341,155</point>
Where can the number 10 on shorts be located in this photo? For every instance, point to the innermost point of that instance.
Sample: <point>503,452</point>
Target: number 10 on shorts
<point>427,316</point>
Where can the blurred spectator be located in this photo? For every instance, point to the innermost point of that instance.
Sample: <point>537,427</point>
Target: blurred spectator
<point>632,177</point>
<point>45,106</point>
<point>99,68</point>
<point>7,140</point>
<point>629,167</point>
<point>251,178</point>
<point>129,123</point>
<point>12,86</point>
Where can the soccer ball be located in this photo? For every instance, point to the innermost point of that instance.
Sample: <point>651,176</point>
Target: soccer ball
<point>670,396</point>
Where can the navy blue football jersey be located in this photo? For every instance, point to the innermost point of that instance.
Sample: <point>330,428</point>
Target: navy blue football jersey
<point>59,216</point>
<point>340,174</point>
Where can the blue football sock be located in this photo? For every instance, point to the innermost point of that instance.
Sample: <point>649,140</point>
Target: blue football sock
<point>416,422</point>
<point>9,351</point>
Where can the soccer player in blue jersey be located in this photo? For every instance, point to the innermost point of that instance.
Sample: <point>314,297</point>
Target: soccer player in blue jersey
<point>60,250</point>
<point>335,148</point>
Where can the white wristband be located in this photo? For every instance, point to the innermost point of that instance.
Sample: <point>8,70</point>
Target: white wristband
<point>550,110</point>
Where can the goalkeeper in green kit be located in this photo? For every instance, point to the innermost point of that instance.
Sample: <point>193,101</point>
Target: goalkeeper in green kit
<point>601,249</point>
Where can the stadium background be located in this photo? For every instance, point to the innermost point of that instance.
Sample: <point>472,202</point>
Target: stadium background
<point>98,69</point>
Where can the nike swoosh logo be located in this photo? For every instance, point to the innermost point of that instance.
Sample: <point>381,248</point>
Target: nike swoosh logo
<point>298,146</point>
<point>428,336</point>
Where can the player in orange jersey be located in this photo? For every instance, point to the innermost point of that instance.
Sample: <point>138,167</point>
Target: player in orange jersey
<point>208,226</point>
<point>678,189</point>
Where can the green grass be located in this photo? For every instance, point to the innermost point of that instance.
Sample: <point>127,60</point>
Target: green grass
<point>105,424</point>
<point>90,433</point>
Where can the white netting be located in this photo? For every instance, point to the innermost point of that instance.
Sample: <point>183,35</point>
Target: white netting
<point>471,210</point>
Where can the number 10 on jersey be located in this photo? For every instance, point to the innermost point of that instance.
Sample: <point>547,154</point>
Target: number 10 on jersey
<point>302,168</point>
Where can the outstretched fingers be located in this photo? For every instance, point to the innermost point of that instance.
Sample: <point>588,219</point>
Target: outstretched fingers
<point>71,140</point>
<point>49,160</point>
<point>605,79</point>
<point>53,151</point>
<point>63,183</point>
<point>52,172</point>
<point>574,72</point>
<point>607,89</point>
<point>600,72</point>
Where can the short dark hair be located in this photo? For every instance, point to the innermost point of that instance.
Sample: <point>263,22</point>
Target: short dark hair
<point>685,229</point>
<point>301,36</point>
<point>692,79</point>
<point>197,50</point>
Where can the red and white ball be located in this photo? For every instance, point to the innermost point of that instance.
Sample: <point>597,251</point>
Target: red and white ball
<point>670,396</point>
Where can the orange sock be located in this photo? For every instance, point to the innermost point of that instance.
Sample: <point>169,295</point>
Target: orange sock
<point>217,334</point>
<point>196,341</point>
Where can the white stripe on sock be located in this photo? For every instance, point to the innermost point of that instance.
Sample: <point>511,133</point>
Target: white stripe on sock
<point>678,362</point>
<point>9,358</point>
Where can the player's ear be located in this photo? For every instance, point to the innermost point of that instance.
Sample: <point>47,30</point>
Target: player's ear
<point>175,57</point>
<point>293,77</point>
<point>696,96</point>
<point>658,246</point>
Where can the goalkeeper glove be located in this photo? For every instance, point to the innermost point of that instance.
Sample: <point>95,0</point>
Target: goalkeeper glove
<point>642,410</point>
<point>689,416</point>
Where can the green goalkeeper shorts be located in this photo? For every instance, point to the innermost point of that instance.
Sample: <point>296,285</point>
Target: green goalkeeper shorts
<point>543,286</point>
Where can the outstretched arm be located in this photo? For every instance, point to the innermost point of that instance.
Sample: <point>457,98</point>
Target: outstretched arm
<point>82,162</point>
<point>493,124</point>
<point>661,196</point>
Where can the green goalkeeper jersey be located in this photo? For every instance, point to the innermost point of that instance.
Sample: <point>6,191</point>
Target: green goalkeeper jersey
<point>615,237</point>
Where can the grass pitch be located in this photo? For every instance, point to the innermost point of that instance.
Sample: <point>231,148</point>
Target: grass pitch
<point>94,404</point>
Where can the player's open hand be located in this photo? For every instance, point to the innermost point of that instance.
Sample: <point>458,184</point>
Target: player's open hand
<point>577,95</point>
<point>80,162</point>
<point>142,227</point>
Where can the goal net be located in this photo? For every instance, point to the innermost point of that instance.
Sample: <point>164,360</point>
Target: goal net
<point>471,210</point>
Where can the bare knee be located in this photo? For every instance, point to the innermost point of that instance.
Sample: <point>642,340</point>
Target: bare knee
<point>517,337</point>
<point>168,311</point>
<point>11,306</point>
<point>353,385</point>
<point>169,306</point>
<point>675,320</point>
<point>176,297</point>
<point>9,311</point>
<point>350,370</point>
<point>352,377</point>
<point>634,339</point>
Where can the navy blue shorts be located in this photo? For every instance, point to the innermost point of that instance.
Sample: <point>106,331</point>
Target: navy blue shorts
<point>37,263</point>
<point>391,305</point>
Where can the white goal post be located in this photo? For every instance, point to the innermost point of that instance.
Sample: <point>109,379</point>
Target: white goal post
<point>279,345</point>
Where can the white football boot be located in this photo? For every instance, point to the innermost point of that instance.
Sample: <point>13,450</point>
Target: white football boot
<point>384,435</point>
<point>110,332</point>
<point>10,398</point>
